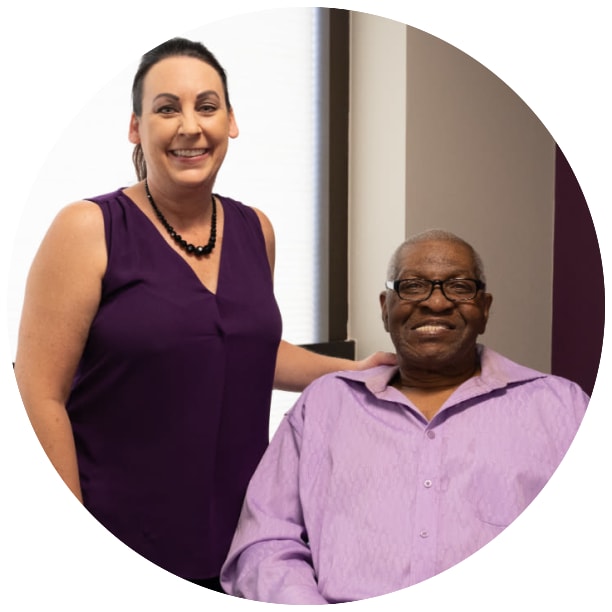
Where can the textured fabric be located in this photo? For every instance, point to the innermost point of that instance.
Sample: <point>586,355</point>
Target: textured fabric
<point>170,405</point>
<point>358,495</point>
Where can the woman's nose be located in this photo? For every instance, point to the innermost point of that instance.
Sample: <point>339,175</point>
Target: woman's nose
<point>189,123</point>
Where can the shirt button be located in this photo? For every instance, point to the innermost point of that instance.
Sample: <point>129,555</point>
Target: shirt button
<point>431,434</point>
<point>427,483</point>
<point>424,534</point>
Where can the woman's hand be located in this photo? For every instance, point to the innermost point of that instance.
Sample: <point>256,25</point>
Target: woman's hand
<point>296,367</point>
<point>376,359</point>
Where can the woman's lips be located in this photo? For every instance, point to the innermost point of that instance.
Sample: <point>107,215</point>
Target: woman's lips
<point>188,152</point>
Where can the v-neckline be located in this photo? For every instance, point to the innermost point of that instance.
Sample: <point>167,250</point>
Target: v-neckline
<point>177,255</point>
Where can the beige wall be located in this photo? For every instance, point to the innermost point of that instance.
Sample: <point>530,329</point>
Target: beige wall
<point>377,169</point>
<point>439,141</point>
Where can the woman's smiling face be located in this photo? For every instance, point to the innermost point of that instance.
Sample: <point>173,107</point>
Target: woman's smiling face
<point>185,122</point>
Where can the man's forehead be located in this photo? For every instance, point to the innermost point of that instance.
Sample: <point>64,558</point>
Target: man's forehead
<point>437,254</point>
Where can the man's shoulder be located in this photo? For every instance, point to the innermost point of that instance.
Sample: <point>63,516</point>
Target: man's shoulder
<point>375,377</point>
<point>506,372</point>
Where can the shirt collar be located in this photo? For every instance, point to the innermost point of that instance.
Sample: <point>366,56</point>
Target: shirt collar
<point>375,379</point>
<point>497,372</point>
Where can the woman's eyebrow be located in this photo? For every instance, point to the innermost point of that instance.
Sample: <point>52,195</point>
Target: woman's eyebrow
<point>208,93</point>
<point>165,95</point>
<point>205,94</point>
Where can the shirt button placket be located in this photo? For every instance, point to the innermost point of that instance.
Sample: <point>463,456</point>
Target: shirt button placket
<point>427,508</point>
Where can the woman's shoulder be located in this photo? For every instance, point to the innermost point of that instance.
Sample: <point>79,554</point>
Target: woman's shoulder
<point>258,219</point>
<point>74,239</point>
<point>261,220</point>
<point>79,215</point>
<point>244,209</point>
<point>108,198</point>
<point>234,205</point>
<point>88,207</point>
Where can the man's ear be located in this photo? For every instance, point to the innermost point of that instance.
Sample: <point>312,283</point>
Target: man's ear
<point>486,308</point>
<point>383,309</point>
<point>134,132</point>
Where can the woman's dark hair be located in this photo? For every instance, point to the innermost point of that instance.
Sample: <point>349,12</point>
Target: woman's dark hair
<point>175,47</point>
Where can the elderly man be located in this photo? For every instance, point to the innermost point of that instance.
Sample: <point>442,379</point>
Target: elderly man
<point>380,479</point>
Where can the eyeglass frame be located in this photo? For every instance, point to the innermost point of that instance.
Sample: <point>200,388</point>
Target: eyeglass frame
<point>394,286</point>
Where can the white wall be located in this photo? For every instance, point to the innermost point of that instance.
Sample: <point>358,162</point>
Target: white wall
<point>471,157</point>
<point>273,164</point>
<point>270,139</point>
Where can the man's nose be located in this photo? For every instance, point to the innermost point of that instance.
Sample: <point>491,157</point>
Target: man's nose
<point>437,300</point>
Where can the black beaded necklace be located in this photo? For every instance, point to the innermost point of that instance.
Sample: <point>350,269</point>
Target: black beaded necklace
<point>198,251</point>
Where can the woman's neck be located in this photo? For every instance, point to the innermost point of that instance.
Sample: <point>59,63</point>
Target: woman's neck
<point>184,201</point>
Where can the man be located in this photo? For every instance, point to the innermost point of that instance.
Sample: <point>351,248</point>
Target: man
<point>380,479</point>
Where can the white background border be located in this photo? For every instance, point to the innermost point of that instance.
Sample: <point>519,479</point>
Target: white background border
<point>56,55</point>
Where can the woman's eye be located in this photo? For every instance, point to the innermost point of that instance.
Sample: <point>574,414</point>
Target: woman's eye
<point>166,110</point>
<point>207,108</point>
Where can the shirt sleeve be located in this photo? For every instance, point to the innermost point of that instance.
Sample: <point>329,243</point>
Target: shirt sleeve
<point>270,559</point>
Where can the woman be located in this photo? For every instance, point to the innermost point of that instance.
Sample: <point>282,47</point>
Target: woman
<point>150,337</point>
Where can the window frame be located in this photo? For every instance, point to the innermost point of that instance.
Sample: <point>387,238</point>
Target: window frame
<point>337,137</point>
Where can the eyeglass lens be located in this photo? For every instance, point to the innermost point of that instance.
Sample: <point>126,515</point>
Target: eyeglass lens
<point>455,289</point>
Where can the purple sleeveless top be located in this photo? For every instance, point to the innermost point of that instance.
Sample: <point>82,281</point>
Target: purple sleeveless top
<point>170,404</point>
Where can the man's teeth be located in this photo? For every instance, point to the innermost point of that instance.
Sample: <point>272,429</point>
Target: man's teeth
<point>431,328</point>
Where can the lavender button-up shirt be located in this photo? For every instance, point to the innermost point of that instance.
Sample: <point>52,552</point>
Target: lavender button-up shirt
<point>359,495</point>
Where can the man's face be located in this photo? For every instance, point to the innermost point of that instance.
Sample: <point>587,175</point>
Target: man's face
<point>436,334</point>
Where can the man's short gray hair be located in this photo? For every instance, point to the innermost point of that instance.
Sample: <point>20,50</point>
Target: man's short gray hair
<point>429,236</point>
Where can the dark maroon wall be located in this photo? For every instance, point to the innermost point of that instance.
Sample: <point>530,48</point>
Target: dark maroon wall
<point>578,287</point>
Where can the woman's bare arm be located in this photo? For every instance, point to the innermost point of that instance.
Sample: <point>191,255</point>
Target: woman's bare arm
<point>296,367</point>
<point>61,298</point>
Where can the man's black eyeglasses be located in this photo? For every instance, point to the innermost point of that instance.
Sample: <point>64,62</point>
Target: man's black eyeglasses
<point>420,289</point>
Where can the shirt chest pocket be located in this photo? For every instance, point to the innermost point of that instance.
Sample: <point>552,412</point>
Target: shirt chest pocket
<point>497,496</point>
